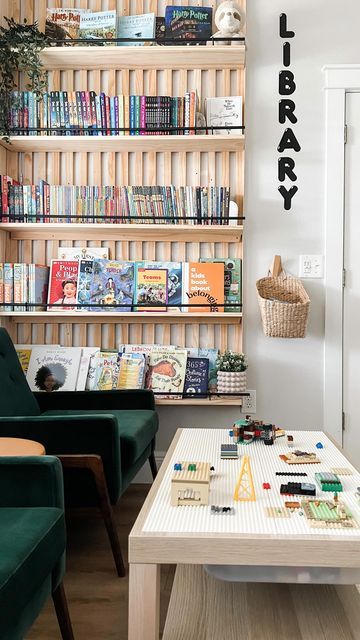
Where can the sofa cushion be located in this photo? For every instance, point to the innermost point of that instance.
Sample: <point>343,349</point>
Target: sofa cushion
<point>137,428</point>
<point>32,540</point>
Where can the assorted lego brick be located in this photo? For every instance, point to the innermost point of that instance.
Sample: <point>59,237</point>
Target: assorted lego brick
<point>215,510</point>
<point>292,506</point>
<point>277,512</point>
<point>244,490</point>
<point>300,457</point>
<point>328,514</point>
<point>298,489</point>
<point>341,471</point>
<point>190,484</point>
<point>247,430</point>
<point>229,452</point>
<point>328,482</point>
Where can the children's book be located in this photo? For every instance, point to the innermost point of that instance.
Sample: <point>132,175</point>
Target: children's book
<point>151,287</point>
<point>196,377</point>
<point>166,371</point>
<point>107,372</point>
<point>174,281</point>
<point>63,285</point>
<point>86,354</point>
<point>137,28</point>
<point>232,281</point>
<point>132,371</point>
<point>112,284</point>
<point>38,284</point>
<point>83,253</point>
<point>224,112</point>
<point>184,24</point>
<point>51,369</point>
<point>203,283</point>
<point>90,379</point>
<point>86,268</point>
<point>63,24</point>
<point>24,354</point>
<point>145,348</point>
<point>101,24</point>
<point>211,354</point>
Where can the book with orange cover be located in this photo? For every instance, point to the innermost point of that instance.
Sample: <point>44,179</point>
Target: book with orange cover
<point>203,283</point>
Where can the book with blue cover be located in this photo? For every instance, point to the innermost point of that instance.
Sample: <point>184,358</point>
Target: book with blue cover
<point>184,24</point>
<point>84,284</point>
<point>112,284</point>
<point>174,282</point>
<point>137,28</point>
<point>196,377</point>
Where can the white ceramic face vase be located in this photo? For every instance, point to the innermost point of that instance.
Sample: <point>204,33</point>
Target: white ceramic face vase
<point>230,20</point>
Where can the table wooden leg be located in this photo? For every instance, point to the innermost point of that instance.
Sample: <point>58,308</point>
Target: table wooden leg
<point>144,601</point>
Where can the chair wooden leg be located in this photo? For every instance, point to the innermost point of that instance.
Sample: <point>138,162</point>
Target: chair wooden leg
<point>95,465</point>
<point>62,612</point>
<point>153,465</point>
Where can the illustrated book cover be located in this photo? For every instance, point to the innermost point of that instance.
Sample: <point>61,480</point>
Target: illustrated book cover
<point>132,370</point>
<point>151,288</point>
<point>107,372</point>
<point>52,369</point>
<point>137,28</point>
<point>112,284</point>
<point>63,23</point>
<point>196,377</point>
<point>174,280</point>
<point>83,253</point>
<point>38,284</point>
<point>224,112</point>
<point>232,282</point>
<point>23,353</point>
<point>184,24</point>
<point>86,268</point>
<point>203,283</point>
<point>210,354</point>
<point>166,371</point>
<point>86,354</point>
<point>99,25</point>
<point>63,285</point>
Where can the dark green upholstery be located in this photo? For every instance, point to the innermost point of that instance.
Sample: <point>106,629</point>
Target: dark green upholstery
<point>119,426</point>
<point>32,539</point>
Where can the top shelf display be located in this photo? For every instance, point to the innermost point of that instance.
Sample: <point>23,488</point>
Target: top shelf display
<point>94,57</point>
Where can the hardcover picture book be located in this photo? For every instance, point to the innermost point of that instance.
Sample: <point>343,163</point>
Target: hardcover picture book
<point>196,376</point>
<point>211,354</point>
<point>184,24</point>
<point>232,281</point>
<point>23,354</point>
<point>83,253</point>
<point>63,23</point>
<point>107,372</point>
<point>203,283</point>
<point>137,28</point>
<point>63,285</point>
<point>101,24</point>
<point>112,284</point>
<point>86,354</point>
<point>86,268</point>
<point>166,371</point>
<point>51,369</point>
<point>224,112</point>
<point>38,284</point>
<point>132,371</point>
<point>151,288</point>
<point>174,281</point>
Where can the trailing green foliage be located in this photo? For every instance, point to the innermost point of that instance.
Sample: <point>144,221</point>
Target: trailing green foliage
<point>20,46</point>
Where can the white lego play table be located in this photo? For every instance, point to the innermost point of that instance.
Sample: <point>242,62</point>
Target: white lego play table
<point>261,546</point>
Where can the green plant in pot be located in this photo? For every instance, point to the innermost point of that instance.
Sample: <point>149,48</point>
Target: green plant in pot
<point>231,372</point>
<point>20,47</point>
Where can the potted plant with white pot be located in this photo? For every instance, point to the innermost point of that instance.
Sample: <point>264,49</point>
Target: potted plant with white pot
<point>231,372</point>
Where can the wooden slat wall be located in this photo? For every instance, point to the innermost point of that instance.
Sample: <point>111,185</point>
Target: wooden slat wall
<point>180,168</point>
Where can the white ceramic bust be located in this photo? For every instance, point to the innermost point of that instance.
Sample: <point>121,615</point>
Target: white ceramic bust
<point>230,20</point>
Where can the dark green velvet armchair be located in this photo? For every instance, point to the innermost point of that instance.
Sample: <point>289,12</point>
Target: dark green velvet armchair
<point>102,438</point>
<point>32,544</point>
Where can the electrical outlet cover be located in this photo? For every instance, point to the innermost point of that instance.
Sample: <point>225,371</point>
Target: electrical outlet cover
<point>249,402</point>
<point>311,266</point>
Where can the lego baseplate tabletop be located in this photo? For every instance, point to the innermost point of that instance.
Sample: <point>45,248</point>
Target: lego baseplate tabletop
<point>257,465</point>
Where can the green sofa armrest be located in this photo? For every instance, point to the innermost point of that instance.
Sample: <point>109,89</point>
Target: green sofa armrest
<point>97,434</point>
<point>100,400</point>
<point>34,481</point>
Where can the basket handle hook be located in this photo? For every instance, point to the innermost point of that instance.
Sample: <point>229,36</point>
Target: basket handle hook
<point>276,267</point>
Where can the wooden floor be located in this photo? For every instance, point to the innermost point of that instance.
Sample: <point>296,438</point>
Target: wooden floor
<point>97,598</point>
<point>203,608</point>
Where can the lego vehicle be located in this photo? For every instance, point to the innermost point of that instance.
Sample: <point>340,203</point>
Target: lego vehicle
<point>248,430</point>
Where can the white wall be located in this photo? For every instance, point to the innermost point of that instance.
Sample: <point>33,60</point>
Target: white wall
<point>287,374</point>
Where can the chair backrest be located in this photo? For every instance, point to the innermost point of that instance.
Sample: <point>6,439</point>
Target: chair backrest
<point>16,398</point>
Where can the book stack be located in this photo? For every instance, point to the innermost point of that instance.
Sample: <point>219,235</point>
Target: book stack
<point>43,202</point>
<point>68,113</point>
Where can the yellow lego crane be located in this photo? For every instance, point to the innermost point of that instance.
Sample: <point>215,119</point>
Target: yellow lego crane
<point>244,489</point>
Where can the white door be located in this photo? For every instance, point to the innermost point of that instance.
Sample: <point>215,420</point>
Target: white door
<point>351,307</point>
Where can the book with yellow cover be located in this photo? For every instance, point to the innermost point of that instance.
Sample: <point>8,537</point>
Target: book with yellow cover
<point>151,288</point>
<point>203,283</point>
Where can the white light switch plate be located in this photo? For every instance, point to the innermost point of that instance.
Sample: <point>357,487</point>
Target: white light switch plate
<point>311,266</point>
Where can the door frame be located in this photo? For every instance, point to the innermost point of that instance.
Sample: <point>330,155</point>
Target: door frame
<point>339,80</point>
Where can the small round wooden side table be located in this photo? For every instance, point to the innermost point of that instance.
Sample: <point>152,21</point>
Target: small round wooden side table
<point>20,447</point>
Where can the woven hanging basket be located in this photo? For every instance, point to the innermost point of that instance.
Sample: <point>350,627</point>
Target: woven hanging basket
<point>284,306</point>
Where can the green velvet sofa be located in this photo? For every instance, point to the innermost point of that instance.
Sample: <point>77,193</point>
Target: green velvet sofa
<point>102,438</point>
<point>32,543</point>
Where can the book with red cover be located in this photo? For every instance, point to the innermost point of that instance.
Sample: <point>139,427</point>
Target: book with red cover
<point>63,285</point>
